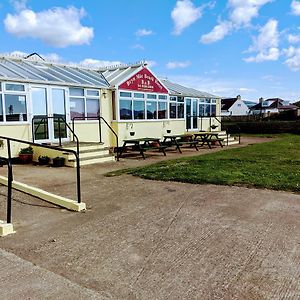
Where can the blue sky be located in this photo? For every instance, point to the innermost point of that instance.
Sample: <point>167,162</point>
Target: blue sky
<point>226,47</point>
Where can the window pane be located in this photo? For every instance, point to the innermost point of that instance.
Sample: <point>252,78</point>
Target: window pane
<point>125,109</point>
<point>92,108</point>
<point>201,109</point>
<point>15,107</point>
<point>76,92</point>
<point>150,96</point>
<point>151,110</point>
<point>1,109</point>
<point>77,107</point>
<point>213,109</point>
<point>173,110</point>
<point>173,98</point>
<point>125,94</point>
<point>180,99</point>
<point>180,107</point>
<point>162,110</point>
<point>15,87</point>
<point>162,97</point>
<point>93,93</point>
<point>138,95</point>
<point>139,110</point>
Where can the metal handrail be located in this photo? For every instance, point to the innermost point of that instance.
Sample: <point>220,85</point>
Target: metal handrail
<point>9,139</point>
<point>59,118</point>
<point>9,187</point>
<point>100,129</point>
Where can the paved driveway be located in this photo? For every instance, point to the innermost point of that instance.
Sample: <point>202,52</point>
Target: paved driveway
<point>143,239</point>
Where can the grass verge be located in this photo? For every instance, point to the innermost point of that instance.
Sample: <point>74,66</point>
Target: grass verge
<point>273,165</point>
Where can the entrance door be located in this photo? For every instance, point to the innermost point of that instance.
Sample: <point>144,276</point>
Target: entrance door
<point>49,110</point>
<point>191,108</point>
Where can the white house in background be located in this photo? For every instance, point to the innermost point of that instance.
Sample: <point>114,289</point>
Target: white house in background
<point>234,107</point>
<point>272,106</point>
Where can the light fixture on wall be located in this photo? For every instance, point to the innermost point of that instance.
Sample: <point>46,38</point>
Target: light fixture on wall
<point>104,94</point>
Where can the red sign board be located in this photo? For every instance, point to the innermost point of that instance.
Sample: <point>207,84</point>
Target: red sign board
<point>144,81</point>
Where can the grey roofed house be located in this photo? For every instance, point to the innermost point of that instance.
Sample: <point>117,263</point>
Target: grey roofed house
<point>179,90</point>
<point>273,105</point>
<point>34,70</point>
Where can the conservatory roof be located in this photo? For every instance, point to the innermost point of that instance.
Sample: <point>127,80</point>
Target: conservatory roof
<point>39,71</point>
<point>179,90</point>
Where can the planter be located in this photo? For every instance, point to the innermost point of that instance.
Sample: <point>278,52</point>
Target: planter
<point>58,162</point>
<point>44,160</point>
<point>132,133</point>
<point>25,158</point>
<point>168,130</point>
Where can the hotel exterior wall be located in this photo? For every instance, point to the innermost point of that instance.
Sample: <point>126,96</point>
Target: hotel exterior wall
<point>17,131</point>
<point>156,129</point>
<point>88,131</point>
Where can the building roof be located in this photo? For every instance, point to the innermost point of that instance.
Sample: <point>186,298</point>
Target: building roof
<point>116,75</point>
<point>227,103</point>
<point>179,90</point>
<point>274,103</point>
<point>38,71</point>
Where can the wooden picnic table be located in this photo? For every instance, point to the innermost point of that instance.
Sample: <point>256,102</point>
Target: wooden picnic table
<point>208,137</point>
<point>179,140</point>
<point>142,144</point>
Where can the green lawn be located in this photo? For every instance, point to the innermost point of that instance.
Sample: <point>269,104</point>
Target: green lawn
<point>272,165</point>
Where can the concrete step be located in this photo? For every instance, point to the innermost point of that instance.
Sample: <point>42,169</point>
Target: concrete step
<point>91,160</point>
<point>88,153</point>
<point>234,142</point>
<point>86,147</point>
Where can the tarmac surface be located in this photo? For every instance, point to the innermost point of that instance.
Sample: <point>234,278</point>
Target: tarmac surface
<point>142,239</point>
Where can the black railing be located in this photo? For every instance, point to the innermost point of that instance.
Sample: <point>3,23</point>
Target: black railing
<point>99,128</point>
<point>9,140</point>
<point>7,161</point>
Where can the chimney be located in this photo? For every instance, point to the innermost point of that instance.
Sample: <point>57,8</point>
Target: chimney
<point>238,97</point>
<point>261,100</point>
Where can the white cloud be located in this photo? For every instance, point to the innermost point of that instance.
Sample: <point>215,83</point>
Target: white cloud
<point>95,63</point>
<point>53,57</point>
<point>177,64</point>
<point>266,44</point>
<point>138,46</point>
<point>19,4</point>
<point>151,63</point>
<point>294,38</point>
<point>293,58</point>
<point>143,32</point>
<point>58,27</point>
<point>241,13</point>
<point>218,33</point>
<point>295,6</point>
<point>185,14</point>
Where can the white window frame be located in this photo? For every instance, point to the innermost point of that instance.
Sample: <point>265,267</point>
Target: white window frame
<point>145,99</point>
<point>85,97</point>
<point>25,93</point>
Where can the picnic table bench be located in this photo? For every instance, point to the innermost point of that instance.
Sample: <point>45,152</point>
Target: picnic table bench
<point>208,138</point>
<point>142,145</point>
<point>179,140</point>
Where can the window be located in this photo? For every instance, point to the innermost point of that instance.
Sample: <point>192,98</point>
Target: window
<point>151,110</point>
<point>176,107</point>
<point>13,105</point>
<point>14,87</point>
<point>207,107</point>
<point>84,103</point>
<point>142,106</point>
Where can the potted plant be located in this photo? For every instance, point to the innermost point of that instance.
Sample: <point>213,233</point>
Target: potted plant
<point>58,162</point>
<point>26,154</point>
<point>44,159</point>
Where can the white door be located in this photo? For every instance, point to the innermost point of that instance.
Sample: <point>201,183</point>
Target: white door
<point>49,113</point>
<point>191,108</point>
